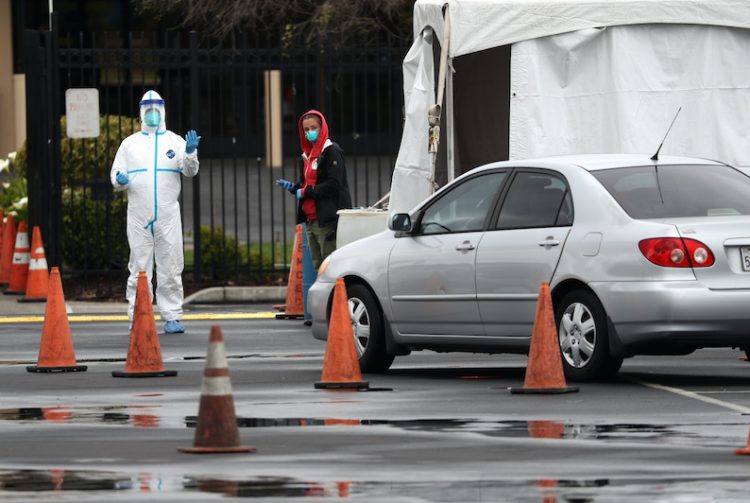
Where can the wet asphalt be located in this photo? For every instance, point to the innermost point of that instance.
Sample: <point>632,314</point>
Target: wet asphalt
<point>665,429</point>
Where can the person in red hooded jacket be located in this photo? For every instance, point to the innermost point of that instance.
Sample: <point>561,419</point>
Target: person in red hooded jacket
<point>322,188</point>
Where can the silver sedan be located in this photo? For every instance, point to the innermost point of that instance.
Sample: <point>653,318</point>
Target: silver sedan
<point>642,257</point>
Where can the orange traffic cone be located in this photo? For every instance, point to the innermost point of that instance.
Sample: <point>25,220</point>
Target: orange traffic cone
<point>216,432</point>
<point>294,309</point>
<point>2,229</point>
<point>745,450</point>
<point>6,256</point>
<point>544,372</point>
<point>341,364</point>
<point>19,271</point>
<point>56,352</point>
<point>144,352</point>
<point>37,283</point>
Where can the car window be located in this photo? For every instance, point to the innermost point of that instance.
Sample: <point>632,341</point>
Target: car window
<point>536,200</point>
<point>678,190</point>
<point>464,208</point>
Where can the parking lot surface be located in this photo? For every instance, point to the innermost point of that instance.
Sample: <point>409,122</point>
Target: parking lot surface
<point>436,427</point>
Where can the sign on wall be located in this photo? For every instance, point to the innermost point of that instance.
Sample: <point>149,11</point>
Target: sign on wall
<point>82,111</point>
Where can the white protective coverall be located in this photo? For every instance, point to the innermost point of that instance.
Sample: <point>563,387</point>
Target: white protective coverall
<point>153,160</point>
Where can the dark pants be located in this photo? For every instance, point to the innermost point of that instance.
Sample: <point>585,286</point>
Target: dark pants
<point>322,241</point>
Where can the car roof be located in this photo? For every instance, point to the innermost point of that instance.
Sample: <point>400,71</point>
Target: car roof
<point>594,162</point>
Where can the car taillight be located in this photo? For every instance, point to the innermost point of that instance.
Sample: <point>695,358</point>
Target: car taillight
<point>676,252</point>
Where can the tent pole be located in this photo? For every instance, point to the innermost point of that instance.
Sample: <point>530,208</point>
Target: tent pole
<point>434,113</point>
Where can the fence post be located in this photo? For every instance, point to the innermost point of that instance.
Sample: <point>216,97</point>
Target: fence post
<point>194,120</point>
<point>54,92</point>
<point>43,139</point>
<point>35,137</point>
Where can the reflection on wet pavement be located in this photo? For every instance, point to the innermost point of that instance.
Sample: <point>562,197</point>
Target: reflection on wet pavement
<point>89,484</point>
<point>148,416</point>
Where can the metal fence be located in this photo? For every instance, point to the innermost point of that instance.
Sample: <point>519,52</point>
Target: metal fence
<point>244,99</point>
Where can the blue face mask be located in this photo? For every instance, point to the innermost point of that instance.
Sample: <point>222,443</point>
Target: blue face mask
<point>153,118</point>
<point>312,135</point>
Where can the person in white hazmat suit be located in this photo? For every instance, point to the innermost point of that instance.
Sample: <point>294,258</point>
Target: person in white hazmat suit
<point>148,165</point>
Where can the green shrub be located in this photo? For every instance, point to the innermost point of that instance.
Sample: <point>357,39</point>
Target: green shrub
<point>94,232</point>
<point>89,158</point>
<point>94,235</point>
<point>13,193</point>
<point>220,253</point>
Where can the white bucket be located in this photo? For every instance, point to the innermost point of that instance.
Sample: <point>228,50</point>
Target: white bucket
<point>359,223</point>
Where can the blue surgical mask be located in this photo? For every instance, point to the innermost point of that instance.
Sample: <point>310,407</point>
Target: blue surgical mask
<point>312,135</point>
<point>153,118</point>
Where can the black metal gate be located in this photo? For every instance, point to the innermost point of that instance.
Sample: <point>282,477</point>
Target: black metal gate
<point>244,99</point>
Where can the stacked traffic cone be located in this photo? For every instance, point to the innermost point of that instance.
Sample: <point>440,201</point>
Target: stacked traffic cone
<point>216,432</point>
<point>56,352</point>
<point>2,229</point>
<point>341,364</point>
<point>294,308</point>
<point>144,351</point>
<point>37,282</point>
<point>19,270</point>
<point>544,372</point>
<point>6,254</point>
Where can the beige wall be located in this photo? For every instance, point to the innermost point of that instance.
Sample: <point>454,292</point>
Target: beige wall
<point>7,107</point>
<point>19,108</point>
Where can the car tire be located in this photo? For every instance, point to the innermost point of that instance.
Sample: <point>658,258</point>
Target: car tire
<point>584,338</point>
<point>369,335</point>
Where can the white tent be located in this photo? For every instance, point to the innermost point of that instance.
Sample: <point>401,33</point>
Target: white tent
<point>528,78</point>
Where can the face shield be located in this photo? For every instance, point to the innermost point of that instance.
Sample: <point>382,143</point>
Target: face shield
<point>152,111</point>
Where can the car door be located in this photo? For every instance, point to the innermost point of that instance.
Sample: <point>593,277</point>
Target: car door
<point>431,271</point>
<point>521,250</point>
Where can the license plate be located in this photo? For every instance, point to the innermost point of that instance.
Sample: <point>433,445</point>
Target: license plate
<point>745,256</point>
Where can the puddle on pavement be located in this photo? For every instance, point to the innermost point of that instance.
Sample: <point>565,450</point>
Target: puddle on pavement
<point>151,416</point>
<point>91,484</point>
<point>135,415</point>
<point>692,434</point>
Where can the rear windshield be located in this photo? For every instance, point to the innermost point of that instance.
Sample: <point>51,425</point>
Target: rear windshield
<point>678,191</point>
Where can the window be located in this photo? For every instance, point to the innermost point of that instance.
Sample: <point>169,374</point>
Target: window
<point>536,200</point>
<point>678,190</point>
<point>465,207</point>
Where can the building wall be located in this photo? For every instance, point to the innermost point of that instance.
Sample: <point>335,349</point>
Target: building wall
<point>9,139</point>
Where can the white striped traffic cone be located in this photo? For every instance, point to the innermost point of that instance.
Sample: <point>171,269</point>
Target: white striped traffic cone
<point>19,270</point>
<point>37,284</point>
<point>216,431</point>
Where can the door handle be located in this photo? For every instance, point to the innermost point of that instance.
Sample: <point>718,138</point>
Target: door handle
<point>549,242</point>
<point>465,246</point>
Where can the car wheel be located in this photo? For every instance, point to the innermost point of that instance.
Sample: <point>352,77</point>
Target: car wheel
<point>367,325</point>
<point>584,338</point>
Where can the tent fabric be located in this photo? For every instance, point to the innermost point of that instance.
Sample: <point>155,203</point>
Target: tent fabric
<point>628,119</point>
<point>480,24</point>
<point>410,183</point>
<point>618,89</point>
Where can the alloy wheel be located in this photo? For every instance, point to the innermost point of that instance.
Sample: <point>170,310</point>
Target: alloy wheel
<point>360,324</point>
<point>577,335</point>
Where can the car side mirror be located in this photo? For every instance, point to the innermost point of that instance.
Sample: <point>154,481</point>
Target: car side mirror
<point>400,222</point>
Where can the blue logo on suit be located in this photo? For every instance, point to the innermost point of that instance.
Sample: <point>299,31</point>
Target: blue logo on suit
<point>170,153</point>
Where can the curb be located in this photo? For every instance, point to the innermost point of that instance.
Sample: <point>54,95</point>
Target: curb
<point>237,294</point>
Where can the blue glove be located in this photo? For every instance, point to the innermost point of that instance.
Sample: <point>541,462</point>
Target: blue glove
<point>285,184</point>
<point>299,193</point>
<point>192,140</point>
<point>121,178</point>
